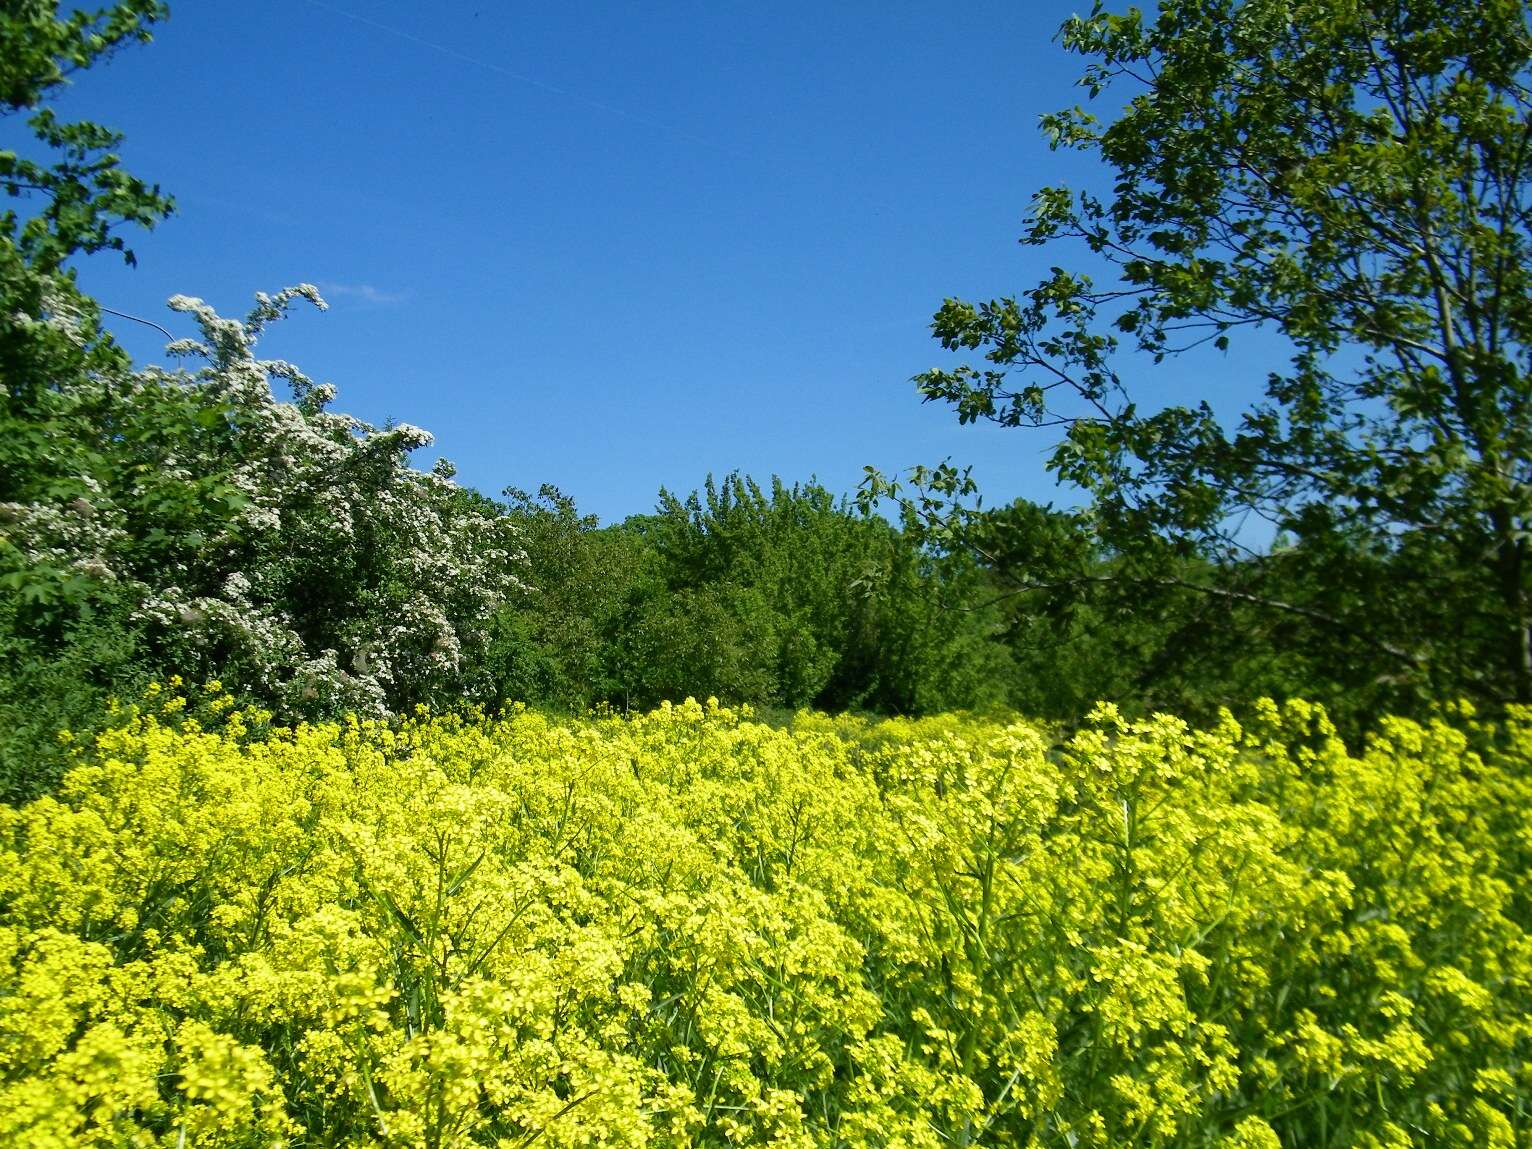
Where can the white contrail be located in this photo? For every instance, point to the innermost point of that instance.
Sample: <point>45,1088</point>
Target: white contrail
<point>531,81</point>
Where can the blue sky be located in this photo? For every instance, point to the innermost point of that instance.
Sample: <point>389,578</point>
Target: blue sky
<point>608,246</point>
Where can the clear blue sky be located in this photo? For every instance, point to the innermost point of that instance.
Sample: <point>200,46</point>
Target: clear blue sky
<point>605,246</point>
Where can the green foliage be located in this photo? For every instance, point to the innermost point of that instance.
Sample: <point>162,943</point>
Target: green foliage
<point>62,642</point>
<point>554,644</point>
<point>781,567</point>
<point>783,598</point>
<point>62,684</point>
<point>78,198</point>
<point>1087,624</point>
<point>1354,177</point>
<point>85,193</point>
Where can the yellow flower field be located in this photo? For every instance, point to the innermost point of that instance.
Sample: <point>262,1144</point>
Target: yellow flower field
<point>693,928</point>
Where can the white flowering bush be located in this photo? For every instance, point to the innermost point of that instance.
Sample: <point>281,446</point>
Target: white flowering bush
<point>366,584</point>
<point>285,548</point>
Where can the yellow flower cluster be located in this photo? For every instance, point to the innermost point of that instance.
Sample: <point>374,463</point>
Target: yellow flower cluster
<point>692,928</point>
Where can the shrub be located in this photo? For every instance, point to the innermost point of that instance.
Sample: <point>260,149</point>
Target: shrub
<point>288,550</point>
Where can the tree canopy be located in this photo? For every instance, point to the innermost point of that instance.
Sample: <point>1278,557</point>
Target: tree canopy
<point>1355,177</point>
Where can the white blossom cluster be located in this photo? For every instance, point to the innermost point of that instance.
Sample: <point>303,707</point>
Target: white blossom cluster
<point>343,579</point>
<point>72,536</point>
<point>59,311</point>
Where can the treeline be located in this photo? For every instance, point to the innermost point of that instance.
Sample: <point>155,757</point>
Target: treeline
<point>794,597</point>
<point>221,521</point>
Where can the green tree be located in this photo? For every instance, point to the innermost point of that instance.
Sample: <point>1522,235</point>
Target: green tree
<point>1084,622</point>
<point>1355,177</point>
<point>84,194</point>
<point>67,195</point>
<point>790,597</point>
<point>554,645</point>
<point>77,199</point>
<point>785,558</point>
